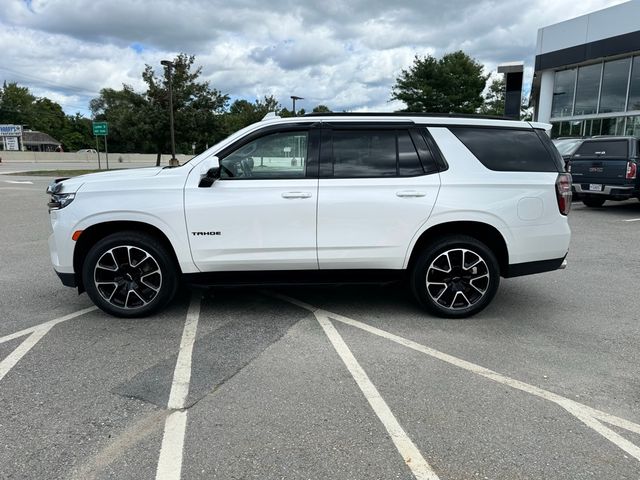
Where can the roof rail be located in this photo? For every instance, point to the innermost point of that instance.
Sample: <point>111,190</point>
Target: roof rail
<point>407,114</point>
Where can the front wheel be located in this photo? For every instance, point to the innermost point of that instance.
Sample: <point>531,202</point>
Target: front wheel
<point>129,274</point>
<point>455,277</point>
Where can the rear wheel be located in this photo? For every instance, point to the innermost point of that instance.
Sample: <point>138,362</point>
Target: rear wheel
<point>129,274</point>
<point>593,202</point>
<point>455,277</point>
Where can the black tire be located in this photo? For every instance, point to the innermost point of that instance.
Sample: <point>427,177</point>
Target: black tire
<point>594,202</point>
<point>463,291</point>
<point>141,284</point>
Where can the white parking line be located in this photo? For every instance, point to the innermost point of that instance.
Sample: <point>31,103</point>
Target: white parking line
<point>633,220</point>
<point>589,416</point>
<point>19,182</point>
<point>48,324</point>
<point>409,452</point>
<point>170,461</point>
<point>35,335</point>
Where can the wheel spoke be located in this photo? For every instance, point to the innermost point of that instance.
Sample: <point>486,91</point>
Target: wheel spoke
<point>128,277</point>
<point>457,278</point>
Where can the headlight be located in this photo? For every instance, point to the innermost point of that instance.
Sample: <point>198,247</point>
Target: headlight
<point>60,200</point>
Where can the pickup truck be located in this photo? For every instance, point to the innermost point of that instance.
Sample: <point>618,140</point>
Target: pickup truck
<point>606,168</point>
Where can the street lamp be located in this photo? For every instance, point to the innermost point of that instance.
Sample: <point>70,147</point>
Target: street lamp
<point>173,162</point>
<point>294,98</point>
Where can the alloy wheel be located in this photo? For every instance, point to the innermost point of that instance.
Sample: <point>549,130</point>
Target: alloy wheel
<point>457,279</point>
<point>127,277</point>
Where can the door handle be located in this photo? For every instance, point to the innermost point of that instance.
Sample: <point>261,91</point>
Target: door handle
<point>410,193</point>
<point>296,195</point>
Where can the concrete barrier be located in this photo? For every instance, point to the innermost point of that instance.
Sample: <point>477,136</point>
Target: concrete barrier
<point>67,157</point>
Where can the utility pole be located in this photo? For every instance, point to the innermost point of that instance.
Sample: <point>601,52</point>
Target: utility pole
<point>294,98</point>
<point>173,162</point>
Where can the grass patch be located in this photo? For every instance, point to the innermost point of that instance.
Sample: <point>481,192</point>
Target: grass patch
<point>58,173</point>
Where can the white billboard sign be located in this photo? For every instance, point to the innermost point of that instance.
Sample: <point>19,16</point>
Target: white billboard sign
<point>10,130</point>
<point>11,143</point>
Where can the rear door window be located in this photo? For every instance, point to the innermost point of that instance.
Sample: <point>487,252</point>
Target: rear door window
<point>375,153</point>
<point>510,150</point>
<point>603,149</point>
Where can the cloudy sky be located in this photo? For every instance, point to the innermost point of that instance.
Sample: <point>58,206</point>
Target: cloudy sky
<point>344,54</point>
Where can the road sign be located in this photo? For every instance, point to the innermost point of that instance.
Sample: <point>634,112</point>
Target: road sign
<point>100,128</point>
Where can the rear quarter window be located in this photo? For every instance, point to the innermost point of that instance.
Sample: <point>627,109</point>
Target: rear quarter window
<point>603,149</point>
<point>509,150</point>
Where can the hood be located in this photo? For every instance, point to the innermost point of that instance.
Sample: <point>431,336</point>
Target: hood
<point>71,185</point>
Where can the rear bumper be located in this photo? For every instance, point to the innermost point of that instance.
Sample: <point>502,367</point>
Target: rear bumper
<point>608,190</point>
<point>540,266</point>
<point>67,279</point>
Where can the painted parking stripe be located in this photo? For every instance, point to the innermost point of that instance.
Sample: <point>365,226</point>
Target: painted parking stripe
<point>587,415</point>
<point>48,324</point>
<point>35,335</point>
<point>409,452</point>
<point>19,182</point>
<point>170,461</point>
<point>633,220</point>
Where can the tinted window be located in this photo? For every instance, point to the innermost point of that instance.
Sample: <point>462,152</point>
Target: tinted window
<point>587,89</point>
<point>634,87</point>
<point>603,149</point>
<point>614,85</point>
<point>279,155</point>
<point>507,149</point>
<point>364,154</point>
<point>408,161</point>
<point>563,89</point>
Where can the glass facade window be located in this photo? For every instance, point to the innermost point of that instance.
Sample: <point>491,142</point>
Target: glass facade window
<point>598,126</point>
<point>634,88</point>
<point>587,89</point>
<point>563,90</point>
<point>633,126</point>
<point>612,126</point>
<point>615,78</point>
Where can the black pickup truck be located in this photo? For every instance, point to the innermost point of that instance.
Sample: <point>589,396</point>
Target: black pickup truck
<point>606,168</point>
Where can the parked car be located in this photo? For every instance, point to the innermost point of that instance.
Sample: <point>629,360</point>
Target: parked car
<point>606,168</point>
<point>567,147</point>
<point>449,204</point>
<point>87,150</point>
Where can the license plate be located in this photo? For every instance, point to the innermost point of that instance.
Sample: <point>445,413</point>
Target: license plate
<point>594,187</point>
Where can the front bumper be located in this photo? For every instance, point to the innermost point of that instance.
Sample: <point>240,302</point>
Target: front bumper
<point>67,279</point>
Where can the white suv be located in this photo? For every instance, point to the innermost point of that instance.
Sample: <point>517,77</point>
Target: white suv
<point>447,203</point>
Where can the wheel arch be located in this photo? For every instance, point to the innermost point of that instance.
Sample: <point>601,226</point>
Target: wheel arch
<point>484,232</point>
<point>93,234</point>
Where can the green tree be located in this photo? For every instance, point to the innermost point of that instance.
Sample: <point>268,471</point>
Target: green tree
<point>198,107</point>
<point>494,99</point>
<point>19,106</point>
<point>321,109</point>
<point>16,104</point>
<point>242,112</point>
<point>452,84</point>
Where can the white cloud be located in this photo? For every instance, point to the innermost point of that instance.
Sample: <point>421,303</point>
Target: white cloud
<point>344,54</point>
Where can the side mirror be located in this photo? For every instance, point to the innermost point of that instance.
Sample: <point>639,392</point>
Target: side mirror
<point>208,178</point>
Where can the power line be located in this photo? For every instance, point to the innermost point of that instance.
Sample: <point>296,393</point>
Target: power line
<point>49,82</point>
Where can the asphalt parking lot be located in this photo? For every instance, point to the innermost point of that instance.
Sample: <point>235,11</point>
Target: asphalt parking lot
<point>323,382</point>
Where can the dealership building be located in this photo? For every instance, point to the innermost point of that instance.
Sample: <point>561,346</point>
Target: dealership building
<point>587,73</point>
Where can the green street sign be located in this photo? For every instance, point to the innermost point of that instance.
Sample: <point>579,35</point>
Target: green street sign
<point>100,128</point>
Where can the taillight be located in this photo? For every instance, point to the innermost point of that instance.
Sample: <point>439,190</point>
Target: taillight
<point>563,193</point>
<point>632,170</point>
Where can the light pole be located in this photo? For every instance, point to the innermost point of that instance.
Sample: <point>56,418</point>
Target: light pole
<point>294,98</point>
<point>173,162</point>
